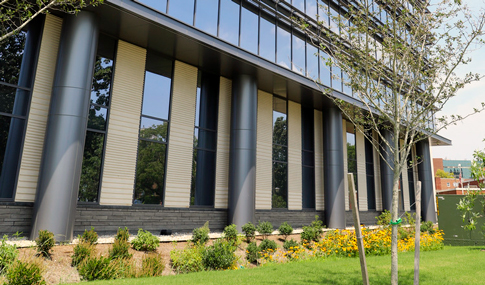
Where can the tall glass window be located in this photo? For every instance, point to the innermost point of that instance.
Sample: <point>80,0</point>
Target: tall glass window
<point>308,158</point>
<point>97,121</point>
<point>229,21</point>
<point>182,10</point>
<point>280,154</point>
<point>267,36</point>
<point>17,62</point>
<point>298,61</point>
<point>412,193</point>
<point>249,28</point>
<point>369,171</point>
<point>283,48</point>
<point>153,137</point>
<point>311,8</point>
<point>206,15</point>
<point>311,61</point>
<point>323,13</point>
<point>325,69</point>
<point>351,152</point>
<point>205,136</point>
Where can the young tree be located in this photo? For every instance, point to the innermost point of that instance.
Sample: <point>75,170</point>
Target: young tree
<point>15,15</point>
<point>400,59</point>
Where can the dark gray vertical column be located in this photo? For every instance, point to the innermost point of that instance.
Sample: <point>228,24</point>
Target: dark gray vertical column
<point>55,203</point>
<point>242,165</point>
<point>426,177</point>
<point>333,149</point>
<point>387,173</point>
<point>10,165</point>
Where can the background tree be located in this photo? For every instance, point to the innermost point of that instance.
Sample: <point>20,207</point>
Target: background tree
<point>15,14</point>
<point>400,58</point>
<point>443,174</point>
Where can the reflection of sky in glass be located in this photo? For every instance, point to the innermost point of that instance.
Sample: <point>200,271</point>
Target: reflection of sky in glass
<point>249,31</point>
<point>336,78</point>
<point>160,5</point>
<point>267,40</point>
<point>197,108</point>
<point>156,95</point>
<point>311,8</point>
<point>324,69</point>
<point>283,56</point>
<point>323,12</point>
<point>229,21</point>
<point>334,21</point>
<point>206,16</point>
<point>347,89</point>
<point>299,4</point>
<point>351,138</point>
<point>182,10</point>
<point>147,123</point>
<point>298,64</point>
<point>312,61</point>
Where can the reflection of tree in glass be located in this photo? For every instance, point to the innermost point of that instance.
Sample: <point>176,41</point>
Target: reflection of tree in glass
<point>194,168</point>
<point>352,161</point>
<point>11,52</point>
<point>97,122</point>
<point>279,169</point>
<point>150,166</point>
<point>91,169</point>
<point>102,80</point>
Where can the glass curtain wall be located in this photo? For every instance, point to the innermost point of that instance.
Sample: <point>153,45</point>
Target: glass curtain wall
<point>205,137</point>
<point>280,154</point>
<point>18,57</point>
<point>97,121</point>
<point>369,171</point>
<point>351,152</point>
<point>412,193</point>
<point>308,158</point>
<point>153,137</point>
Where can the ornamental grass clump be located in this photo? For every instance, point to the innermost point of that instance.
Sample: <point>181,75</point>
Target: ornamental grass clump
<point>44,243</point>
<point>285,230</point>
<point>121,246</point>
<point>90,236</point>
<point>145,241</point>
<point>151,265</point>
<point>249,230</point>
<point>82,250</point>
<point>8,254</point>
<point>98,268</point>
<point>265,229</point>
<point>23,272</point>
<point>200,236</point>
<point>188,259</point>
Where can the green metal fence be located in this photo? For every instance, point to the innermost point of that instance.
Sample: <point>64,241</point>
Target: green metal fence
<point>450,221</point>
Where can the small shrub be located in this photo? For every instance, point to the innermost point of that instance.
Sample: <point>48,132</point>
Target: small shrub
<point>290,244</point>
<point>82,251</point>
<point>285,230</point>
<point>252,253</point>
<point>312,233</point>
<point>45,242</point>
<point>122,234</point>
<point>90,236</point>
<point>230,234</point>
<point>265,228</point>
<point>268,246</point>
<point>201,235</point>
<point>428,227</point>
<point>98,268</point>
<point>8,254</point>
<point>249,231</point>
<point>384,218</point>
<point>151,265</point>
<point>220,255</point>
<point>25,273</point>
<point>403,233</point>
<point>146,241</point>
<point>410,219</point>
<point>187,260</point>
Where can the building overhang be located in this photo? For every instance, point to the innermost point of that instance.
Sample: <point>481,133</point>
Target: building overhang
<point>437,140</point>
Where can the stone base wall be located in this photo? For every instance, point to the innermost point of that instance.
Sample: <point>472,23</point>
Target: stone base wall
<point>107,219</point>
<point>15,217</point>
<point>296,219</point>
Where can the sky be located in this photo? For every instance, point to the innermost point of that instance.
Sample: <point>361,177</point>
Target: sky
<point>467,135</point>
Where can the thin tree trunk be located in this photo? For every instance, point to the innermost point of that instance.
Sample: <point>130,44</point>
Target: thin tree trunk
<point>417,234</point>
<point>394,217</point>
<point>358,230</point>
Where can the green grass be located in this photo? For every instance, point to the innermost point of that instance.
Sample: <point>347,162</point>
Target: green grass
<point>453,265</point>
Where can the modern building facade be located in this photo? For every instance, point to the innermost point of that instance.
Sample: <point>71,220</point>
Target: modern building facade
<point>168,114</point>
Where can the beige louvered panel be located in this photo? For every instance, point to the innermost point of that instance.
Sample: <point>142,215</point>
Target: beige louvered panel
<point>180,151</point>
<point>319,171</point>
<point>405,186</point>
<point>377,173</point>
<point>346,167</point>
<point>294,157</point>
<point>39,110</point>
<point>223,141</point>
<point>361,173</point>
<point>264,148</point>
<point>124,122</point>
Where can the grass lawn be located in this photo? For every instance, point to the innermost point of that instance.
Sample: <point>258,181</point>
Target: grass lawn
<point>453,265</point>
